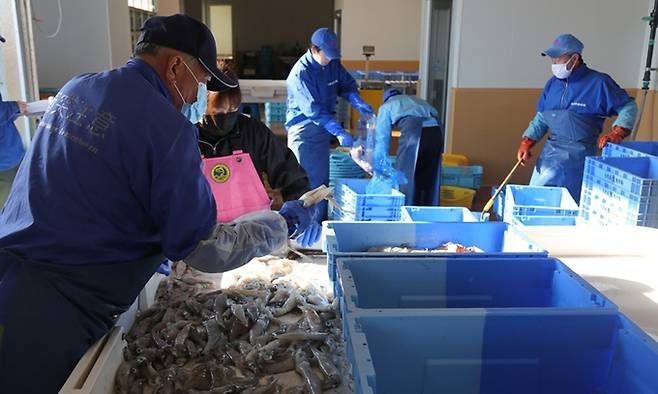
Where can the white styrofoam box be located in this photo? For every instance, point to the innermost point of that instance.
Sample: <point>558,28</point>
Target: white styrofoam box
<point>94,373</point>
<point>147,295</point>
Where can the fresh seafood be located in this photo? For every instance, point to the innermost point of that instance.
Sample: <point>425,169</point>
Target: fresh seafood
<point>448,247</point>
<point>240,339</point>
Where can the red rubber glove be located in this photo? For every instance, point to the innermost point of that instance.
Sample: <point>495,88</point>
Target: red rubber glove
<point>615,136</point>
<point>524,150</point>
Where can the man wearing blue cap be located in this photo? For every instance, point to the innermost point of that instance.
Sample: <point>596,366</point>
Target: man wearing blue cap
<point>420,146</point>
<point>314,84</point>
<point>574,105</point>
<point>109,187</point>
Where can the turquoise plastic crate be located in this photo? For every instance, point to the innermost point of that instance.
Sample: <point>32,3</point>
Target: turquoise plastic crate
<point>523,221</point>
<point>469,177</point>
<point>538,201</point>
<point>631,149</point>
<point>437,214</point>
<point>496,239</point>
<point>635,175</point>
<point>424,283</point>
<point>511,352</point>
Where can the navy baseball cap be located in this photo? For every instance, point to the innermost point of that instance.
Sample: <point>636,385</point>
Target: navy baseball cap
<point>187,35</point>
<point>565,43</point>
<point>326,40</point>
<point>391,92</point>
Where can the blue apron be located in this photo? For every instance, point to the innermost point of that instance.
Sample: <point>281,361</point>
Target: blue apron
<point>310,144</point>
<point>50,314</point>
<point>411,128</point>
<point>572,138</point>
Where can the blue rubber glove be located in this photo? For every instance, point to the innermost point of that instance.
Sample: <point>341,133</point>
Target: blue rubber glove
<point>345,139</point>
<point>312,234</point>
<point>298,218</point>
<point>165,268</point>
<point>334,128</point>
<point>360,105</point>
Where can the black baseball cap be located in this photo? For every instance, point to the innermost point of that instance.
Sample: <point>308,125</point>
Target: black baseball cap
<point>188,35</point>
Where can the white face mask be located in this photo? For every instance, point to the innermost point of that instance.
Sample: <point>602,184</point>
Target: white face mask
<point>560,70</point>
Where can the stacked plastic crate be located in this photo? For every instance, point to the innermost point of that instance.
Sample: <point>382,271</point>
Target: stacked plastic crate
<point>507,320</point>
<point>459,181</point>
<point>620,190</point>
<point>275,113</point>
<point>354,204</point>
<point>539,206</point>
<point>341,166</point>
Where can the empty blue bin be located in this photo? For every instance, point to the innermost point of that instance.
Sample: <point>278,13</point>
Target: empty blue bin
<point>636,175</point>
<point>631,149</point>
<point>538,201</point>
<point>593,351</point>
<point>523,221</point>
<point>417,283</point>
<point>354,239</point>
<point>437,214</point>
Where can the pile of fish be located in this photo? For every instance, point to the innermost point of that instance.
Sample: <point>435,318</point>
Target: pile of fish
<point>241,339</point>
<point>448,247</point>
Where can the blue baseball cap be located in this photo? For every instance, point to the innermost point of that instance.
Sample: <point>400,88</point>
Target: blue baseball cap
<point>391,92</point>
<point>565,43</point>
<point>326,40</point>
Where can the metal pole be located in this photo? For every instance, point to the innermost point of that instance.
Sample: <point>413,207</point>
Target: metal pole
<point>647,69</point>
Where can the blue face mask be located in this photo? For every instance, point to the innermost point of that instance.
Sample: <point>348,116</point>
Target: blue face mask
<point>194,112</point>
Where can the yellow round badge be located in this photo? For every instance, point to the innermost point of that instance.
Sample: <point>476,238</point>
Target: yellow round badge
<point>220,173</point>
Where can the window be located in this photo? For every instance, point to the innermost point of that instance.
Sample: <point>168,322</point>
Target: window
<point>144,5</point>
<point>221,24</point>
<point>140,10</point>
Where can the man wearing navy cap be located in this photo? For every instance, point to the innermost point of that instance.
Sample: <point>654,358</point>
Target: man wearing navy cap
<point>110,186</point>
<point>314,84</point>
<point>574,105</point>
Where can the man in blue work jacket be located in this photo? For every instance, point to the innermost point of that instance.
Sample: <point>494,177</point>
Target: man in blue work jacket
<point>420,146</point>
<point>110,185</point>
<point>314,84</point>
<point>574,105</point>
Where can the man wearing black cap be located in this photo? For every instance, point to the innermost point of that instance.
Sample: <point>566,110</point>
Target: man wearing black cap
<point>110,186</point>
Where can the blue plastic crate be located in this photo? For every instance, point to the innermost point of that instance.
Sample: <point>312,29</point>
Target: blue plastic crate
<point>496,239</point>
<point>636,175</point>
<point>437,214</point>
<point>598,207</point>
<point>593,351</point>
<point>352,193</point>
<point>469,177</point>
<point>619,198</point>
<point>538,201</point>
<point>423,283</point>
<point>499,202</point>
<point>631,149</point>
<point>365,216</point>
<point>524,221</point>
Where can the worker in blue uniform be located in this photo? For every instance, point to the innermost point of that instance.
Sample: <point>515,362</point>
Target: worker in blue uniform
<point>314,84</point>
<point>11,146</point>
<point>111,184</point>
<point>574,105</point>
<point>420,145</point>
